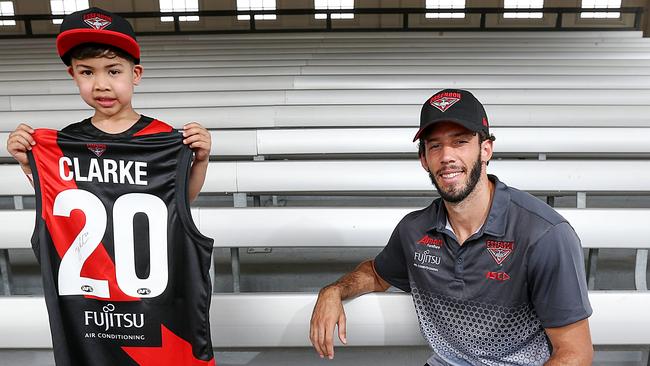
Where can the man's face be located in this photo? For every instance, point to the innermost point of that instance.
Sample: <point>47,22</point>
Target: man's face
<point>453,158</point>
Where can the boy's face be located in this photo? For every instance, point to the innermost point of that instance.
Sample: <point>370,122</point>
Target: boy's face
<point>106,84</point>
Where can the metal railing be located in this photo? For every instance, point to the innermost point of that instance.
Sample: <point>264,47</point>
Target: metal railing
<point>405,13</point>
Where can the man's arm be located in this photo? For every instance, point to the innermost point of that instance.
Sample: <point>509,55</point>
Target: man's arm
<point>328,311</point>
<point>571,344</point>
<point>558,290</point>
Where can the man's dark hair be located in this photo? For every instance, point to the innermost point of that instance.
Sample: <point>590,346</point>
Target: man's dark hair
<point>94,50</point>
<point>481,137</point>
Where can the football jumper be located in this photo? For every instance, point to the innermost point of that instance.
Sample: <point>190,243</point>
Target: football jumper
<point>125,271</point>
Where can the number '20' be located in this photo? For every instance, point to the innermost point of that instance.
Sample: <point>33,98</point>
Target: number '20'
<point>70,280</point>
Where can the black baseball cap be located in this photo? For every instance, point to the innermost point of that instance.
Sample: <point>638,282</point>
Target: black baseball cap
<point>454,105</point>
<point>95,25</point>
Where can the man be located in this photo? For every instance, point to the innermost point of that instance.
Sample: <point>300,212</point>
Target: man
<point>497,276</point>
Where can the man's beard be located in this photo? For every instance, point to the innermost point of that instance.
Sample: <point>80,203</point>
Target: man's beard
<point>455,197</point>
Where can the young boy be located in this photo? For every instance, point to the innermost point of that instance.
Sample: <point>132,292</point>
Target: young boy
<point>106,76</point>
<point>125,270</point>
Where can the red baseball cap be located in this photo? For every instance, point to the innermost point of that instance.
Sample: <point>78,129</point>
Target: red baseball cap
<point>95,25</point>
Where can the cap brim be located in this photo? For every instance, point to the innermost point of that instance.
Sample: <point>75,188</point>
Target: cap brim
<point>71,38</point>
<point>461,122</point>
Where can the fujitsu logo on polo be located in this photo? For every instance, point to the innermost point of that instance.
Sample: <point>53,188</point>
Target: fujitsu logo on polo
<point>426,258</point>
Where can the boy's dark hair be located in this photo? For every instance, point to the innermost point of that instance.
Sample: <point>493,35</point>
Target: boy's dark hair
<point>95,50</point>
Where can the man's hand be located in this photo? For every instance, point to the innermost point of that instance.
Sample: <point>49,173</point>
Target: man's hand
<point>18,143</point>
<point>328,313</point>
<point>199,140</point>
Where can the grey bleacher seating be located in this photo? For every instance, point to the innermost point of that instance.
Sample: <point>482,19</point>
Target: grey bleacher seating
<point>397,176</point>
<point>373,319</point>
<point>330,115</point>
<point>282,320</point>
<point>345,227</point>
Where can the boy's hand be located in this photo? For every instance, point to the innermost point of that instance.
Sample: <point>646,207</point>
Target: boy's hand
<point>19,142</point>
<point>198,139</point>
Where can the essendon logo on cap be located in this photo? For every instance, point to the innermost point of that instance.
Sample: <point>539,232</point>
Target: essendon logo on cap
<point>97,149</point>
<point>500,250</point>
<point>98,21</point>
<point>443,101</point>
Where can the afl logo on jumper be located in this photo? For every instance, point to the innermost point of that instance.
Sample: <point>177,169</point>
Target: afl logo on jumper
<point>443,101</point>
<point>97,20</point>
<point>500,250</point>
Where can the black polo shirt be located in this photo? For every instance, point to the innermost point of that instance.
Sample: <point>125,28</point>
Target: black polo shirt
<point>488,301</point>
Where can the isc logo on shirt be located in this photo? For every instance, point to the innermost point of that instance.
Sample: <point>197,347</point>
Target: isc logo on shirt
<point>498,276</point>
